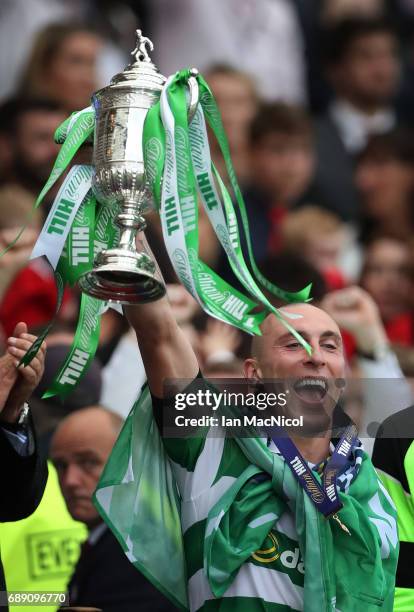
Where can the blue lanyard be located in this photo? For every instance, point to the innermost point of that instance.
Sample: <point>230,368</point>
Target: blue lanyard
<point>325,495</point>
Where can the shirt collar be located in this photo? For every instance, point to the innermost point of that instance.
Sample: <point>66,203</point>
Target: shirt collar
<point>96,533</point>
<point>274,449</point>
<point>355,127</point>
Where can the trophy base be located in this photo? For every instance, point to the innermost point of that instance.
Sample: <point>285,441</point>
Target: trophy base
<point>124,277</point>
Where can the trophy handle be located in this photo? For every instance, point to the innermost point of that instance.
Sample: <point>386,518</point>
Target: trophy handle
<point>194,92</point>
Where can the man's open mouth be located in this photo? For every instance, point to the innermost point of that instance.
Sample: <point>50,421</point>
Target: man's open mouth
<point>311,389</point>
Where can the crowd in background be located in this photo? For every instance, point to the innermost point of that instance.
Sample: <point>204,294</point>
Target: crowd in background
<point>316,99</point>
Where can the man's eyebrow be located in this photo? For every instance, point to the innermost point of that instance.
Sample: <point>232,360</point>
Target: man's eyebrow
<point>84,453</point>
<point>305,335</point>
<point>57,459</point>
<point>331,334</point>
<point>290,336</point>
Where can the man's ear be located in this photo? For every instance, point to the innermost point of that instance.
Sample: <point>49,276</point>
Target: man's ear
<point>251,369</point>
<point>340,383</point>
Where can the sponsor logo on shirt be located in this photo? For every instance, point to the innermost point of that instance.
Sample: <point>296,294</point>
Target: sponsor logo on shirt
<point>291,559</point>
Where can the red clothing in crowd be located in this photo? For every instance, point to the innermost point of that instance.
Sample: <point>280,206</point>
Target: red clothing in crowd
<point>275,216</point>
<point>334,279</point>
<point>31,298</point>
<point>400,330</point>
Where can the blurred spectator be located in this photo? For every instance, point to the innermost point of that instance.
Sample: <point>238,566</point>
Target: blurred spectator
<point>103,576</point>
<point>219,343</point>
<point>32,293</point>
<point>27,290</point>
<point>26,141</point>
<point>224,369</point>
<point>382,382</point>
<point>293,272</point>
<point>63,65</point>
<point>363,68</point>
<point>13,260</point>
<point>24,473</point>
<point>262,38</point>
<point>357,313</point>
<point>388,277</point>
<point>337,10</point>
<point>51,411</point>
<point>21,20</point>
<point>320,237</point>
<point>385,178</point>
<point>236,96</point>
<point>281,167</point>
<point>39,552</point>
<point>16,205</point>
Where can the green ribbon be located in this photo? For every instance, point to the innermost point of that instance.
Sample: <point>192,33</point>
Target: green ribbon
<point>77,259</point>
<point>171,152</point>
<point>65,271</point>
<point>78,251</point>
<point>53,246</point>
<point>73,135</point>
<point>82,351</point>
<point>213,117</point>
<point>33,350</point>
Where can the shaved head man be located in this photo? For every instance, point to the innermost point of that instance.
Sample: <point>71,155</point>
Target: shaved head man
<point>279,517</point>
<point>311,380</point>
<point>80,448</point>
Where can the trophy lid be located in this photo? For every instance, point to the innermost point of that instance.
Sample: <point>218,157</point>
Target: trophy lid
<point>142,72</point>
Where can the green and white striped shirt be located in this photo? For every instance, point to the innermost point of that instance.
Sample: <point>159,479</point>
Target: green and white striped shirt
<point>272,580</point>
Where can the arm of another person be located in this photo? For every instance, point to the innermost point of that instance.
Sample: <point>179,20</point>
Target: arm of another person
<point>386,390</point>
<point>165,350</point>
<point>24,474</point>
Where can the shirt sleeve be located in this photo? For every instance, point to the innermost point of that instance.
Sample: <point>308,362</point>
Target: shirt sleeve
<point>183,444</point>
<point>385,389</point>
<point>20,439</point>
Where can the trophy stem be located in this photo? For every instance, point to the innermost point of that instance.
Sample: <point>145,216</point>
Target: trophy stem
<point>130,222</point>
<point>122,274</point>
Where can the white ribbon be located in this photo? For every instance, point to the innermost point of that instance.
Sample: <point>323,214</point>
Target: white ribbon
<point>60,218</point>
<point>175,243</point>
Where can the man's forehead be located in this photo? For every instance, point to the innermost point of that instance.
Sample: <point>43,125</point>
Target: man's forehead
<point>303,317</point>
<point>87,428</point>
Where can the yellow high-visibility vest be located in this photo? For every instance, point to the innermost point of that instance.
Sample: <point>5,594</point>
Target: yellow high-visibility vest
<point>39,552</point>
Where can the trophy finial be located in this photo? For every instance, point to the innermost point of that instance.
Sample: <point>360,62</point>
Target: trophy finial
<point>140,52</point>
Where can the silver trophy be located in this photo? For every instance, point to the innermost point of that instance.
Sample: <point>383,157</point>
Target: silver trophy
<point>122,274</point>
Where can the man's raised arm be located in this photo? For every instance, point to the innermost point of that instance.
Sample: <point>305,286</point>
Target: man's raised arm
<point>165,350</point>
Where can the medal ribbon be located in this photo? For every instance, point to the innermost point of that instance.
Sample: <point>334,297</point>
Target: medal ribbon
<point>324,495</point>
